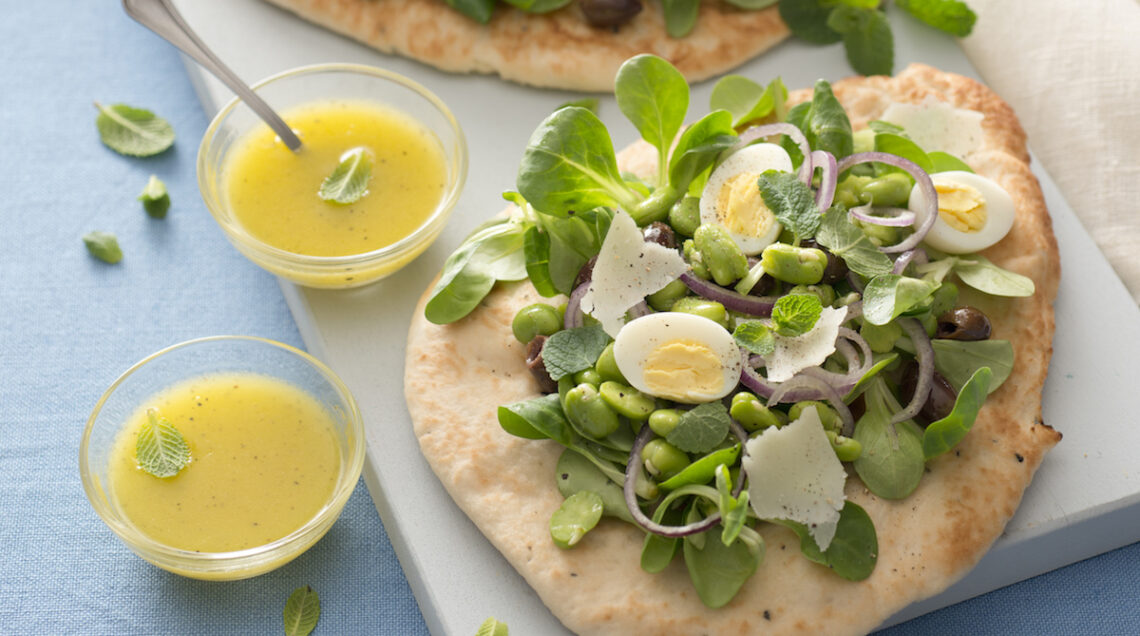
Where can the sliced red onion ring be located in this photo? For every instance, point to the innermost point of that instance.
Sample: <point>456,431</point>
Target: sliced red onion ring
<point>920,178</point>
<point>902,261</point>
<point>829,177</point>
<point>760,306</point>
<point>639,310</point>
<point>633,466</point>
<point>783,128</point>
<point>901,218</point>
<point>826,391</point>
<point>924,352</point>
<point>573,317</point>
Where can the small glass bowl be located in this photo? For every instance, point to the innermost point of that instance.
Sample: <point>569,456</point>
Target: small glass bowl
<point>195,358</point>
<point>338,82</point>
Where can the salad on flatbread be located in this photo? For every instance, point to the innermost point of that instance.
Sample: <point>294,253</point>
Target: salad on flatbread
<point>775,370</point>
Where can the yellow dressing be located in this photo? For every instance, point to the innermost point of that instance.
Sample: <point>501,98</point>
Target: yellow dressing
<point>681,368</point>
<point>272,192</point>
<point>264,460</point>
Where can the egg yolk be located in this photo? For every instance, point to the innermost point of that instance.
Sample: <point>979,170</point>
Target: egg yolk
<point>679,369</point>
<point>740,207</point>
<point>961,206</point>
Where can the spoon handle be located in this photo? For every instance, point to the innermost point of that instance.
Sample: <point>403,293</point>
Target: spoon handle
<point>161,17</point>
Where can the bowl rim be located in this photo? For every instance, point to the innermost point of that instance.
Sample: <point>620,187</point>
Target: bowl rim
<point>424,231</point>
<point>193,561</point>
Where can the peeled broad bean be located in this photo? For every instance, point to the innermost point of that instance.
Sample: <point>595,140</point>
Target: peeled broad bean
<point>752,415</point>
<point>825,293</point>
<point>795,265</point>
<point>663,421</point>
<point>890,190</point>
<point>695,260</point>
<point>607,367</point>
<point>720,254</point>
<point>685,215</point>
<point>662,459</point>
<point>827,415</point>
<point>588,412</point>
<point>626,400</point>
<point>710,309</point>
<point>588,376</point>
<point>538,319</point>
<point>846,448</point>
<point>663,299</point>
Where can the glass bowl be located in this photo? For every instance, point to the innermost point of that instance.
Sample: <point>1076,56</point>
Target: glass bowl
<point>322,83</point>
<point>209,357</point>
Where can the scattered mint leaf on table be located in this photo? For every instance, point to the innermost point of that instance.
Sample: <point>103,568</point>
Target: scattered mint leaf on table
<point>492,627</point>
<point>349,180</point>
<point>131,131</point>
<point>155,199</point>
<point>302,611</point>
<point>951,16</point>
<point>103,246</point>
<point>160,449</point>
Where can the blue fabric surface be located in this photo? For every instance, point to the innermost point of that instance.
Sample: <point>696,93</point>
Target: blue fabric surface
<point>70,324</point>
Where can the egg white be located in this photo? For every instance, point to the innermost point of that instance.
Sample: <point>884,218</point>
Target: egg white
<point>639,339</point>
<point>998,206</point>
<point>755,160</point>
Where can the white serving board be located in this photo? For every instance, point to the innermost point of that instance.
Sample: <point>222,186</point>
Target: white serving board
<point>1084,501</point>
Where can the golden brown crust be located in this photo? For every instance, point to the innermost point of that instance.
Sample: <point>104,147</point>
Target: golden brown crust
<point>557,49</point>
<point>927,541</point>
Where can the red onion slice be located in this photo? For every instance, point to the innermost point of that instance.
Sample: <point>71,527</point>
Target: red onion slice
<point>920,178</point>
<point>639,310</point>
<point>901,218</point>
<point>829,177</point>
<point>574,317</point>
<point>827,393</point>
<point>902,261</point>
<point>924,352</point>
<point>760,306</point>
<point>783,128</point>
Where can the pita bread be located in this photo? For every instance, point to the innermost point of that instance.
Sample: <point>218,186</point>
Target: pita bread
<point>558,49</point>
<point>457,375</point>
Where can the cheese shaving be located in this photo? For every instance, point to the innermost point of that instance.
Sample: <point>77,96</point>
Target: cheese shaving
<point>936,125</point>
<point>794,354</point>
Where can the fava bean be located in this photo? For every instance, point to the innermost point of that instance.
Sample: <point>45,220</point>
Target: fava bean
<point>825,293</point>
<point>589,413</point>
<point>879,234</point>
<point>720,254</point>
<point>685,215</point>
<point>607,367</point>
<point>848,191</point>
<point>846,449</point>
<point>827,415</point>
<point>890,190</point>
<point>577,515</point>
<point>663,299</point>
<point>796,265</point>
<point>663,421</point>
<point>627,400</point>
<point>751,413</point>
<point>538,319</point>
<point>588,376</point>
<point>662,459</point>
<point>710,309</point>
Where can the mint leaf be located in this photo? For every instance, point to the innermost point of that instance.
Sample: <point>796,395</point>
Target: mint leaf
<point>867,39</point>
<point>349,180</point>
<point>701,428</point>
<point>159,448</point>
<point>755,337</point>
<point>807,20</point>
<point>131,131</point>
<point>155,199</point>
<point>302,611</point>
<point>103,246</point>
<point>492,627</point>
<point>848,242</point>
<point>796,314</point>
<point>951,16</point>
<point>572,350</point>
<point>791,202</point>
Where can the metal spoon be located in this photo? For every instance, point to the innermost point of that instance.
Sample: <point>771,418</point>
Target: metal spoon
<point>161,17</point>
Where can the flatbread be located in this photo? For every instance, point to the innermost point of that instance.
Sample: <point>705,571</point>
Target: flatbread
<point>557,49</point>
<point>457,375</point>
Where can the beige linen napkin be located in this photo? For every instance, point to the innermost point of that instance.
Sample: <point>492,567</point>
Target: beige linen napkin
<point>1071,70</point>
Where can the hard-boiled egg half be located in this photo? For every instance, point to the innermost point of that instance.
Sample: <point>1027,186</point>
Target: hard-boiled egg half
<point>680,357</point>
<point>973,212</point>
<point>731,197</point>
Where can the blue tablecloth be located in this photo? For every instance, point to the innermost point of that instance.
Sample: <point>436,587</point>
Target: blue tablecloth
<point>70,324</point>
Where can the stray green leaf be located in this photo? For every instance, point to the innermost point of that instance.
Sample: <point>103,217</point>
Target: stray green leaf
<point>160,449</point>
<point>945,433</point>
<point>867,39</point>
<point>492,627</point>
<point>155,199</point>
<point>701,428</point>
<point>959,360</point>
<point>493,252</point>
<point>807,20</point>
<point>755,337</point>
<point>854,549</point>
<point>796,314</point>
<point>573,350</point>
<point>302,611</point>
<point>349,180</point>
<point>131,131</point>
<point>103,246</point>
<point>981,274</point>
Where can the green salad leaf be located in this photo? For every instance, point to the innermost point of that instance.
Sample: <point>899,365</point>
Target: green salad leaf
<point>302,611</point>
<point>680,16</point>
<point>717,570</point>
<point>160,449</point>
<point>867,38</point>
<point>959,360</point>
<point>349,180</point>
<point>748,101</point>
<point>733,510</point>
<point>493,252</point>
<point>978,272</point>
<point>807,20</point>
<point>854,549</point>
<point>136,132</point>
<point>654,97</point>
<point>478,10</point>
<point>537,418</point>
<point>888,296</point>
<point>892,462</point>
<point>575,473</point>
<point>942,435</point>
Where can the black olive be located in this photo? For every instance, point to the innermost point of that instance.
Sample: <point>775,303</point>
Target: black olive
<point>942,395</point>
<point>609,13</point>
<point>661,234</point>
<point>586,274</point>
<point>963,323</point>
<point>537,367</point>
<point>836,269</point>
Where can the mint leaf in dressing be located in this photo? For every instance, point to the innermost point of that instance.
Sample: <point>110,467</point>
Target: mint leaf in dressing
<point>302,611</point>
<point>796,314</point>
<point>131,131</point>
<point>349,180</point>
<point>160,449</point>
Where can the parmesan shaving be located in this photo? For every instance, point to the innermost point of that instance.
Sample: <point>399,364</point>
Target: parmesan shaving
<point>794,354</point>
<point>936,125</point>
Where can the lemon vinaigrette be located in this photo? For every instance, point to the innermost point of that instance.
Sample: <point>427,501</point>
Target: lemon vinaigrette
<point>264,460</point>
<point>273,192</point>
